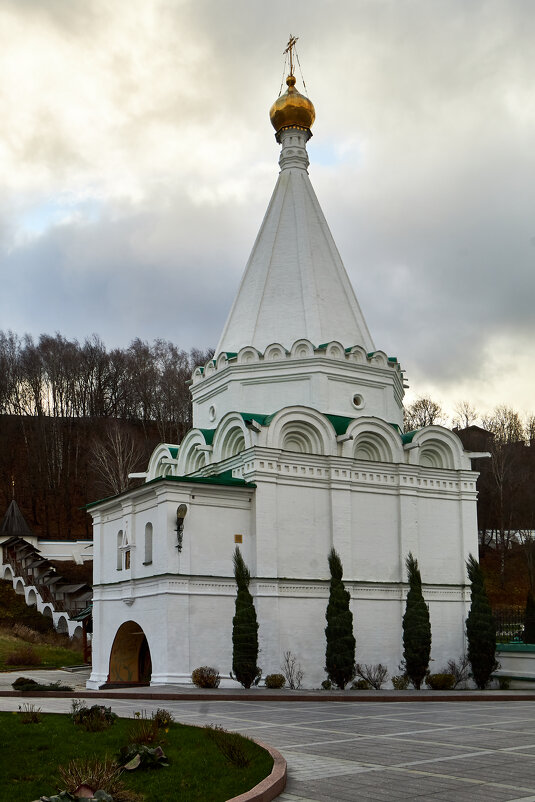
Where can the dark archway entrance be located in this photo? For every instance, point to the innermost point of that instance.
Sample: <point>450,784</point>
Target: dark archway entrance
<point>130,660</point>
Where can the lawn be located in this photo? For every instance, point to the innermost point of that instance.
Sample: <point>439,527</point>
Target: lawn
<point>198,771</point>
<point>52,656</point>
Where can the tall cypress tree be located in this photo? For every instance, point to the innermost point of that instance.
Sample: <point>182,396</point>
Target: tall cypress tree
<point>480,628</point>
<point>416,627</point>
<point>340,651</point>
<point>244,627</point>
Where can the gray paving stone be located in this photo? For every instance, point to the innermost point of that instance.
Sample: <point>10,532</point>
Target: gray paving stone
<point>359,752</point>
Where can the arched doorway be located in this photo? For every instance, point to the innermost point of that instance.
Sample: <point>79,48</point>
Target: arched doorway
<point>130,659</point>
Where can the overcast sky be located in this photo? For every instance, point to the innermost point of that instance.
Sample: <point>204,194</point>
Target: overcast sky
<point>137,161</point>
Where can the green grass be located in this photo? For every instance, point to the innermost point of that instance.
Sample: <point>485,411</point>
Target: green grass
<point>51,656</point>
<point>198,772</point>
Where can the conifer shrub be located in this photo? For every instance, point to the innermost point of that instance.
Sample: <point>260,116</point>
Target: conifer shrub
<point>206,677</point>
<point>480,628</point>
<point>416,627</point>
<point>275,681</point>
<point>244,628</point>
<point>340,650</point>
<point>529,619</point>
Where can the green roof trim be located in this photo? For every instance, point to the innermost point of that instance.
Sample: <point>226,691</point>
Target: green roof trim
<point>392,359</point>
<point>263,420</point>
<point>224,478</point>
<point>406,437</point>
<point>322,347</point>
<point>208,435</point>
<point>101,500</point>
<point>231,354</point>
<point>173,450</point>
<point>84,613</point>
<point>339,422</point>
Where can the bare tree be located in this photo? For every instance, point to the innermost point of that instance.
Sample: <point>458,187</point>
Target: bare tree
<point>292,671</point>
<point>423,412</point>
<point>505,478</point>
<point>530,428</point>
<point>465,414</point>
<point>114,456</point>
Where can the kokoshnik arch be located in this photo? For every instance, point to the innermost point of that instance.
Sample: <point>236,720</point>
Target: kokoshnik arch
<point>296,446</point>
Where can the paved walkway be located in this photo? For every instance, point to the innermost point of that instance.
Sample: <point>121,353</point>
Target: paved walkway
<point>360,751</point>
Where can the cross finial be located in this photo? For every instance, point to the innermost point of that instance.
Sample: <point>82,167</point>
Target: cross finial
<point>289,49</point>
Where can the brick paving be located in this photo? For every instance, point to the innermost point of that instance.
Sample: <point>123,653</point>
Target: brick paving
<point>349,751</point>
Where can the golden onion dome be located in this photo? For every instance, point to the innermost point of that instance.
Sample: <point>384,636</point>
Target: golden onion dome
<point>292,109</point>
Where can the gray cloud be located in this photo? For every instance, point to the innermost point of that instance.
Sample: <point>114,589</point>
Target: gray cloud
<point>148,162</point>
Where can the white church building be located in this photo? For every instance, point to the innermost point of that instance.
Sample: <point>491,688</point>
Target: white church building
<point>297,446</point>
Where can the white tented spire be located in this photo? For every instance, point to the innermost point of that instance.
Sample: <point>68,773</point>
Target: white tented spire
<point>295,284</point>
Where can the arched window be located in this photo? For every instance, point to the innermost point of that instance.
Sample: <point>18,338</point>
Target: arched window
<point>123,551</point>
<point>119,550</point>
<point>148,544</point>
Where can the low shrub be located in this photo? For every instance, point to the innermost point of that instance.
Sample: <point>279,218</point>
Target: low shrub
<point>375,675</point>
<point>504,683</point>
<point>440,682</point>
<point>93,719</point>
<point>275,681</point>
<point>141,756</point>
<point>23,684</point>
<point>30,714</point>
<point>23,656</point>
<point>144,730</point>
<point>361,685</point>
<point>400,682</point>
<point>163,718</point>
<point>206,677</point>
<point>230,744</point>
<point>327,685</point>
<point>64,796</point>
<point>459,669</point>
<point>98,775</point>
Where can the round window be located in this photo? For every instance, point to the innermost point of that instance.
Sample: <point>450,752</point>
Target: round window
<point>358,401</point>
